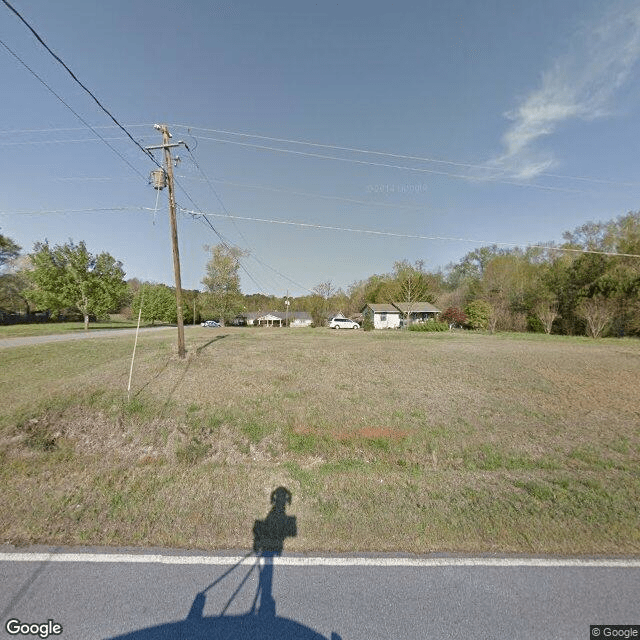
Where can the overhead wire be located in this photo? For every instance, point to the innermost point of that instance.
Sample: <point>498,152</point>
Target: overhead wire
<point>199,212</point>
<point>251,251</point>
<point>369,203</point>
<point>481,167</point>
<point>73,211</point>
<point>75,113</point>
<point>82,85</point>
<point>394,166</point>
<point>422,237</point>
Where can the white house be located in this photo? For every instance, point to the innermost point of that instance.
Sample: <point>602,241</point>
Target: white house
<point>278,319</point>
<point>384,316</point>
<point>394,316</point>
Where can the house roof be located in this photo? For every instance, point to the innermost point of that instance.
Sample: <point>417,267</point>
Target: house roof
<point>416,307</point>
<point>402,307</point>
<point>282,315</point>
<point>381,308</point>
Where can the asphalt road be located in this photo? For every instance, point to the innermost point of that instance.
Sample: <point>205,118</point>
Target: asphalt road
<point>81,335</point>
<point>137,596</point>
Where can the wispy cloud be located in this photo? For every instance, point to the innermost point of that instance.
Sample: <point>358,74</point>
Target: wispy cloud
<point>581,84</point>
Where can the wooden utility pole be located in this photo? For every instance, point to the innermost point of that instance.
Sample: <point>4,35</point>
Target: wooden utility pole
<point>174,234</point>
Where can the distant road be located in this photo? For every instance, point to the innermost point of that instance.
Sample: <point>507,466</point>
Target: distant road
<point>62,337</point>
<point>166,595</point>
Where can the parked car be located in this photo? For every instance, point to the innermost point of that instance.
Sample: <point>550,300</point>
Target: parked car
<point>210,323</point>
<point>343,323</point>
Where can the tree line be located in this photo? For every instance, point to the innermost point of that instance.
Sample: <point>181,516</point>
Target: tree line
<point>587,285</point>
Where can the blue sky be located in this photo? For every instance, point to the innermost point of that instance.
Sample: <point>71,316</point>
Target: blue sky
<point>494,121</point>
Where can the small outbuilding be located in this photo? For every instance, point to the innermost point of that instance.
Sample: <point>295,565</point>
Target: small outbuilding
<point>384,316</point>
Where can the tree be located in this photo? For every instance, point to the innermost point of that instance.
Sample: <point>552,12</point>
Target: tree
<point>158,302</point>
<point>15,283</point>
<point>598,313</point>
<point>409,287</point>
<point>546,311</point>
<point>69,276</point>
<point>479,313</point>
<point>320,302</point>
<point>8,250</point>
<point>13,279</point>
<point>222,282</point>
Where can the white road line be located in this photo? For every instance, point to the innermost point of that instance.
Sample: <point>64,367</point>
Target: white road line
<point>614,563</point>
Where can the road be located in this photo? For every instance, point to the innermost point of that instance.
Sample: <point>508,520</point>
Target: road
<point>63,337</point>
<point>149,595</point>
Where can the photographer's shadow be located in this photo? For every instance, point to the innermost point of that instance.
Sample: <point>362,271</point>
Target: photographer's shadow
<point>261,622</point>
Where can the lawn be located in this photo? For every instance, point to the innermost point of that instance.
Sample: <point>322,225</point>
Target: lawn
<point>54,328</point>
<point>388,441</point>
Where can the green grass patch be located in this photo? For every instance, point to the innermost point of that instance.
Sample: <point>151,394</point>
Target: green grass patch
<point>435,457</point>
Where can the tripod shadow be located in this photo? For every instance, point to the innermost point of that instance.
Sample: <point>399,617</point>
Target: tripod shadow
<point>261,622</point>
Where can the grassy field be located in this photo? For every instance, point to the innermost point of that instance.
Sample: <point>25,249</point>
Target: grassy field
<point>388,441</point>
<point>54,328</point>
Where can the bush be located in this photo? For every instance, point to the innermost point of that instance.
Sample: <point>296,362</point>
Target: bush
<point>367,324</point>
<point>429,326</point>
<point>454,316</point>
<point>478,314</point>
<point>534,324</point>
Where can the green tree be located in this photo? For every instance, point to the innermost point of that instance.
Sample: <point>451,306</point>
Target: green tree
<point>8,250</point>
<point>13,279</point>
<point>320,302</point>
<point>479,314</point>
<point>158,302</point>
<point>222,281</point>
<point>69,276</point>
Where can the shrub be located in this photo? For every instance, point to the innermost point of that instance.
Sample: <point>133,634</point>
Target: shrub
<point>478,314</point>
<point>429,326</point>
<point>454,316</point>
<point>367,324</point>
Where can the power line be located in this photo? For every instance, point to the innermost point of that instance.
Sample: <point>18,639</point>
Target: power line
<point>203,216</point>
<point>75,113</point>
<point>251,251</point>
<point>72,211</point>
<point>468,165</point>
<point>369,203</point>
<point>75,78</point>
<point>447,174</point>
<point>418,236</point>
<point>34,142</point>
<point>57,129</point>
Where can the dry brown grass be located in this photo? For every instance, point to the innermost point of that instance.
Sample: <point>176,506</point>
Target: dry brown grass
<point>388,441</point>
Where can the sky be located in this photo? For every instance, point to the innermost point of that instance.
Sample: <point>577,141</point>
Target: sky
<point>327,140</point>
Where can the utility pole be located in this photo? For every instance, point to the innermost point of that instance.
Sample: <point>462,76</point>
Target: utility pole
<point>166,146</point>
<point>287,302</point>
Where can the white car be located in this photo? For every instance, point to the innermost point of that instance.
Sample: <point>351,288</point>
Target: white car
<point>343,323</point>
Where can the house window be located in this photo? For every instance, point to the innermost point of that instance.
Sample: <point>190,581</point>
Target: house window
<point>383,317</point>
